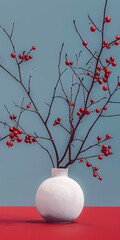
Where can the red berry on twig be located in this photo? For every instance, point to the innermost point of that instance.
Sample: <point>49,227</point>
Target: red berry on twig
<point>81,110</point>
<point>105,108</point>
<point>28,106</point>
<point>107,19</point>
<point>13,54</point>
<point>87,111</point>
<point>108,136</point>
<point>68,63</point>
<point>99,138</point>
<point>84,43</point>
<point>114,64</point>
<point>105,88</point>
<point>92,28</point>
<point>96,168</point>
<point>116,42</point>
<point>92,100</point>
<point>20,56</point>
<point>98,68</point>
<point>19,139</point>
<point>100,157</point>
<point>88,164</point>
<point>97,110</point>
<point>34,47</point>
<point>95,174</point>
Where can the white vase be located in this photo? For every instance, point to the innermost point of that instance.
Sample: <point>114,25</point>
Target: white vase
<point>59,198</point>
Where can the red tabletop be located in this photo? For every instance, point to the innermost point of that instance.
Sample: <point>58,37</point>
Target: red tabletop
<point>25,223</point>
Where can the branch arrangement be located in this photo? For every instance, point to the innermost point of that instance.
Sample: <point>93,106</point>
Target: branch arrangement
<point>95,75</point>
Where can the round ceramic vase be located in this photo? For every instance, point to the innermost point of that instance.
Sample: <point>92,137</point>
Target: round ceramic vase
<point>59,198</point>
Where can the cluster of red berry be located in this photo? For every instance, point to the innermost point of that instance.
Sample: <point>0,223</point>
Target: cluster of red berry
<point>14,136</point>
<point>13,117</point>
<point>106,150</point>
<point>57,121</point>
<point>95,168</point>
<point>29,139</point>
<point>24,57</point>
<point>68,63</point>
<point>93,29</point>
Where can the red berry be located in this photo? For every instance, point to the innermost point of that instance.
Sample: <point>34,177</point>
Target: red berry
<point>107,19</point>
<point>11,117</point>
<point>109,147</point>
<point>15,133</point>
<point>19,139</point>
<point>95,174</point>
<point>108,60</point>
<point>15,128</point>
<point>29,135</point>
<point>14,116</point>
<point>98,67</point>
<point>105,79</point>
<point>34,47</point>
<point>11,135</point>
<point>105,43</point>
<point>57,122</point>
<point>96,168</point>
<point>100,157</point>
<point>105,108</point>
<point>88,164</point>
<point>26,58</point>
<point>100,178</point>
<point>119,84</point>
<point>30,141</point>
<point>20,56</point>
<point>84,43</point>
<point>79,113</point>
<point>93,29</point>
<point>114,64</point>
<point>19,131</point>
<point>105,88</point>
<point>99,138</point>
<point>117,37</point>
<point>28,106</point>
<point>109,152</point>
<point>104,146</point>
<point>9,143</point>
<point>11,129</point>
<point>106,154</point>
<point>72,104</point>
<point>81,159</point>
<point>13,54</point>
<point>26,140</point>
<point>33,139</point>
<point>59,119</point>
<point>100,81</point>
<point>87,111</point>
<point>112,59</point>
<point>30,56</point>
<point>97,110</point>
<point>108,46</point>
<point>68,63</point>
<point>97,73</point>
<point>108,136</point>
<point>81,110</point>
<point>116,42</point>
<point>92,100</point>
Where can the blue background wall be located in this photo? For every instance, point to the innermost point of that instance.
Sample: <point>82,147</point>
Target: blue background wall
<point>47,24</point>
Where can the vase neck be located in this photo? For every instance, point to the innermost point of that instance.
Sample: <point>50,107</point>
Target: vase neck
<point>59,172</point>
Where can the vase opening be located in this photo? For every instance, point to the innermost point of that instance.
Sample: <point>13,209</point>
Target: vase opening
<point>58,172</point>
